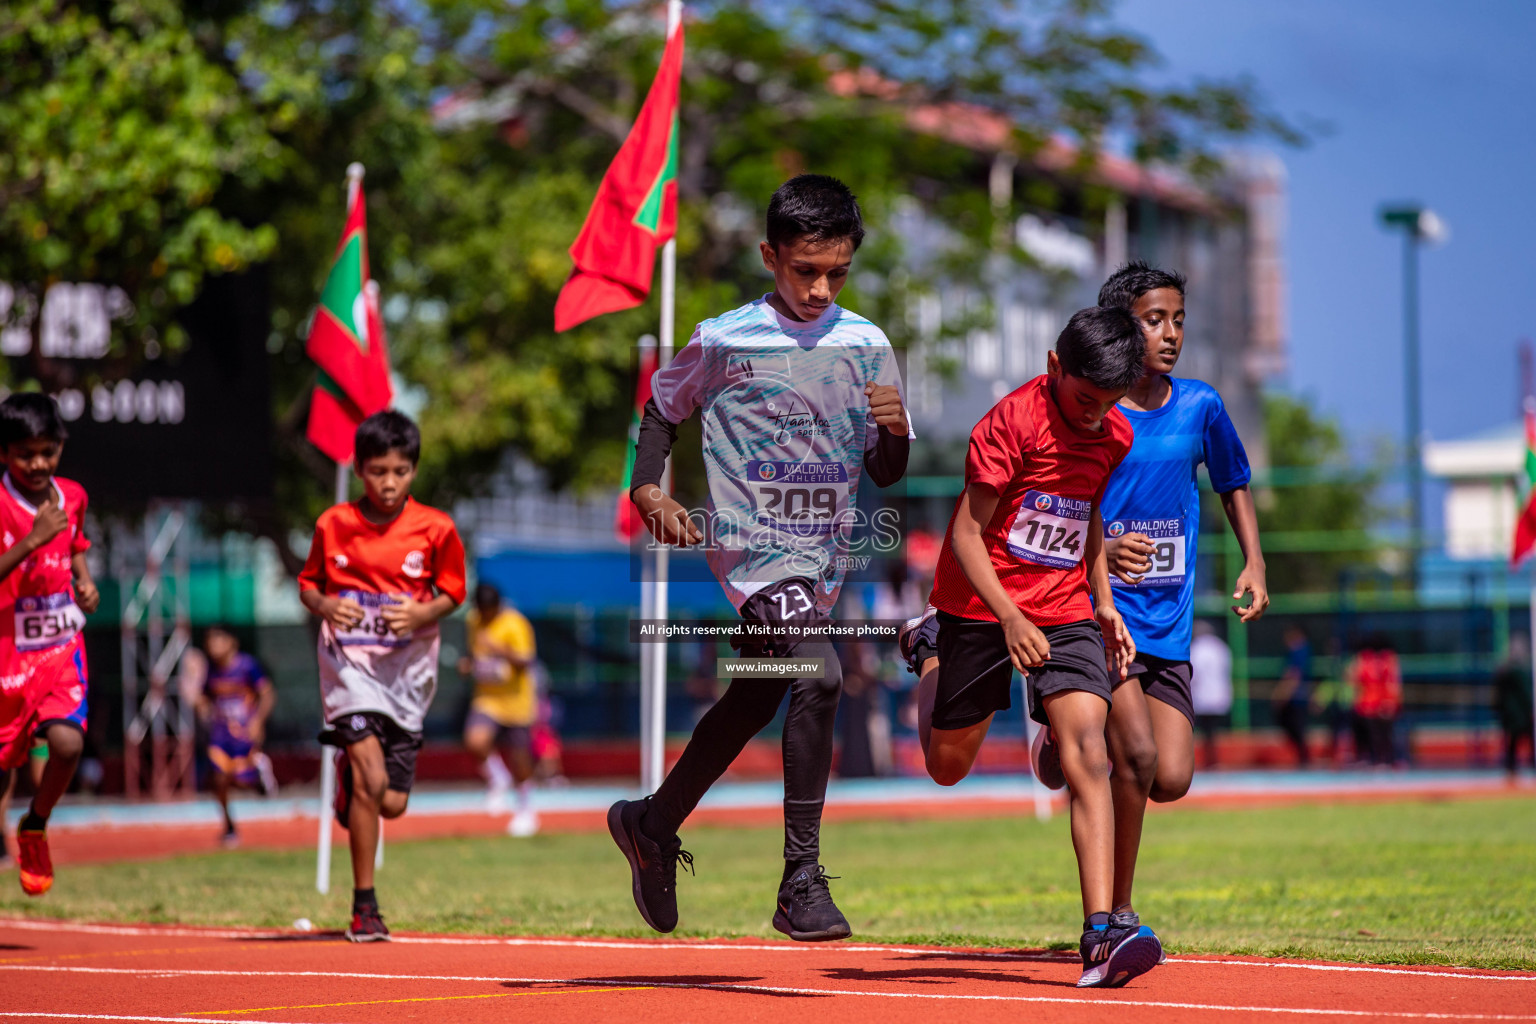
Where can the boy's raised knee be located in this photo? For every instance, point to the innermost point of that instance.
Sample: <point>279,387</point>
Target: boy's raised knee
<point>65,743</point>
<point>1139,762</point>
<point>1165,790</point>
<point>945,768</point>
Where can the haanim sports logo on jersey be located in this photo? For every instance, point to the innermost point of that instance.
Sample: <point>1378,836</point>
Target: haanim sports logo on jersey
<point>415,564</point>
<point>341,561</point>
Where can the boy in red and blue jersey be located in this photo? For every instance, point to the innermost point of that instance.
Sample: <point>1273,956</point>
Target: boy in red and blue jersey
<point>1022,585</point>
<point>45,593</point>
<point>236,701</point>
<point>1151,530</point>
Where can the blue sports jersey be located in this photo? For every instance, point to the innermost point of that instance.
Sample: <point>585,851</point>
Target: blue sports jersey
<point>235,692</point>
<point>1155,492</point>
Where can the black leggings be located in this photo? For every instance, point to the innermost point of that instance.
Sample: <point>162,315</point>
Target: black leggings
<point>747,707</point>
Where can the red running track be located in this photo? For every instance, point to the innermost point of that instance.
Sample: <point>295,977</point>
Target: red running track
<point>60,971</point>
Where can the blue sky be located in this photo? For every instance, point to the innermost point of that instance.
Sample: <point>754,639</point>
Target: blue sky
<point>1427,101</point>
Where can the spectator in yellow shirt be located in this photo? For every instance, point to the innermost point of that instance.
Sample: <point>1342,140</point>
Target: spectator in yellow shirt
<point>505,704</point>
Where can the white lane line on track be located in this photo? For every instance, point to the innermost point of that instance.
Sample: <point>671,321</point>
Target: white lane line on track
<point>53,1015</point>
<point>785,990</point>
<point>726,947</point>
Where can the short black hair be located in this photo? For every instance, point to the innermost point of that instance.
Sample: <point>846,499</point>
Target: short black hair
<point>815,207</point>
<point>1104,346</point>
<point>25,415</point>
<point>386,432</point>
<point>486,593</point>
<point>1135,279</point>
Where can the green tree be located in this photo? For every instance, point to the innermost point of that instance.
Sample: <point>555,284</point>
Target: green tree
<point>485,126</point>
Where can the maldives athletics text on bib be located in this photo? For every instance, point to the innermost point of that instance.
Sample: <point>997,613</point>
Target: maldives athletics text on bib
<point>1050,530</point>
<point>1167,537</point>
<point>801,498</point>
<point>373,631</point>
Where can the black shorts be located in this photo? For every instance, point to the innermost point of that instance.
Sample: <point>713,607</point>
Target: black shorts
<point>976,676</point>
<point>1166,680</point>
<point>517,737</point>
<point>790,602</point>
<point>400,745</point>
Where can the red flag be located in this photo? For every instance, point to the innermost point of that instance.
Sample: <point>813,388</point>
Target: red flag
<point>1525,526</point>
<point>341,341</point>
<point>635,212</point>
<point>333,415</point>
<point>626,518</point>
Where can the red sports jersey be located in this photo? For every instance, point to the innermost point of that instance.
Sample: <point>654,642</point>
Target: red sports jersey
<point>37,600</point>
<point>418,553</point>
<point>1048,477</point>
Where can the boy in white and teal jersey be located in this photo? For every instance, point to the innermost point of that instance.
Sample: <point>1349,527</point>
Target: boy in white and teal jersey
<point>800,399</point>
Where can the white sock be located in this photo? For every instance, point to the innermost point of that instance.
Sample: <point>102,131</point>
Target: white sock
<point>495,771</point>
<point>522,797</point>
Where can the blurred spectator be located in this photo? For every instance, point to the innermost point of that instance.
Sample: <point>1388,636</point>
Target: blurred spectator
<point>1293,694</point>
<point>1210,663</point>
<point>864,725</point>
<point>1377,681</point>
<point>1512,701</point>
<point>1333,701</point>
<point>703,685</point>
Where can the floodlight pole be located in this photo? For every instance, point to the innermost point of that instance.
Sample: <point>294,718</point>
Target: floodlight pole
<point>1417,225</point>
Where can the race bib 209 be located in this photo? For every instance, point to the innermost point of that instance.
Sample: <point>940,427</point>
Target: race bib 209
<point>43,622</point>
<point>806,499</point>
<point>1167,537</point>
<point>1050,530</point>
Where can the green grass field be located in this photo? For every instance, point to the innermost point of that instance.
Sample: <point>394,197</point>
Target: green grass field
<point>1412,882</point>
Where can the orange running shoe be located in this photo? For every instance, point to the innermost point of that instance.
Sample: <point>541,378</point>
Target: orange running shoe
<point>36,865</point>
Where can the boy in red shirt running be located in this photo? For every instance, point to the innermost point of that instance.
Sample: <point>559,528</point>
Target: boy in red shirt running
<point>381,572</point>
<point>45,593</point>
<point>1020,582</point>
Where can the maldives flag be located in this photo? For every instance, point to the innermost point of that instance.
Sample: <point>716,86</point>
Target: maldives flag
<point>1525,526</point>
<point>347,342</point>
<point>635,212</point>
<point>626,518</point>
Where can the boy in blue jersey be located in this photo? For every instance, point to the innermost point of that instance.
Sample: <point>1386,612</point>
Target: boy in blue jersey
<point>799,398</point>
<point>1152,527</point>
<point>236,701</point>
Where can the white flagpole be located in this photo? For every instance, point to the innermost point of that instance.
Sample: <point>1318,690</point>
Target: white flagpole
<point>653,744</point>
<point>327,762</point>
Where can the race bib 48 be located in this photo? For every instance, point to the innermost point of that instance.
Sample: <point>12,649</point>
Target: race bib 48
<point>373,631</point>
<point>1050,530</point>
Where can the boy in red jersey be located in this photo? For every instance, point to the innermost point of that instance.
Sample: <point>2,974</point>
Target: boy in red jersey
<point>381,572</point>
<point>45,593</point>
<point>1021,579</point>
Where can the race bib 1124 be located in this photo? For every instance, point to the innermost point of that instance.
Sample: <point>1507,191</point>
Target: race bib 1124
<point>1167,557</point>
<point>1050,530</point>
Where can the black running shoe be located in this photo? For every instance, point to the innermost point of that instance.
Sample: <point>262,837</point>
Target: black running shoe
<point>367,926</point>
<point>652,865</point>
<point>1045,759</point>
<point>805,909</point>
<point>1131,919</point>
<point>342,805</point>
<point>918,639</point>
<point>1116,953</point>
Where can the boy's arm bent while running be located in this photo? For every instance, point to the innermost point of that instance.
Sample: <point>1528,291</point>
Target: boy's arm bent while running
<point>1026,643</point>
<point>666,519</point>
<point>1238,505</point>
<point>1119,647</point>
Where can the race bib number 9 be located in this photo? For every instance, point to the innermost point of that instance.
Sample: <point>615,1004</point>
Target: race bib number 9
<point>802,498</point>
<point>1050,530</point>
<point>1167,537</point>
<point>43,622</point>
<point>373,631</point>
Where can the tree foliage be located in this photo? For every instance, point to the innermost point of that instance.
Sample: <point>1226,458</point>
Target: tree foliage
<point>150,144</point>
